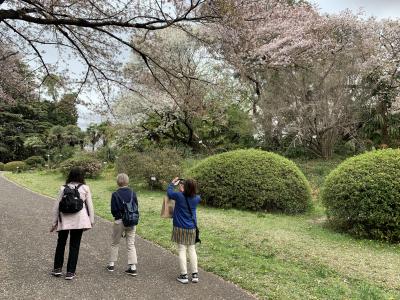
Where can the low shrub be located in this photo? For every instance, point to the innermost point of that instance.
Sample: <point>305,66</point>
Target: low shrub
<point>1,166</point>
<point>58,156</point>
<point>254,180</point>
<point>90,165</point>
<point>15,166</point>
<point>35,161</point>
<point>362,195</point>
<point>158,164</point>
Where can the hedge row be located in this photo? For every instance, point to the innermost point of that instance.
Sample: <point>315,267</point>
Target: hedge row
<point>91,166</point>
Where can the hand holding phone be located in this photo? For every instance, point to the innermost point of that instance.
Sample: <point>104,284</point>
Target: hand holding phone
<point>175,181</point>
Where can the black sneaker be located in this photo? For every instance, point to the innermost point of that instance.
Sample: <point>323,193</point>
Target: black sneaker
<point>56,272</point>
<point>70,276</point>
<point>110,268</point>
<point>131,272</point>
<point>183,278</point>
<point>195,277</point>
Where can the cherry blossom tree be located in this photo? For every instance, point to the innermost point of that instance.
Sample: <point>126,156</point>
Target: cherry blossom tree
<point>306,68</point>
<point>319,103</point>
<point>382,81</point>
<point>193,93</point>
<point>254,35</point>
<point>18,83</point>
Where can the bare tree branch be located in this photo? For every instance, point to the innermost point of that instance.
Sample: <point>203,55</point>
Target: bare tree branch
<point>93,32</point>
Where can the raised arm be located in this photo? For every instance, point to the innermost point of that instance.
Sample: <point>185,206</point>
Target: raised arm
<point>170,192</point>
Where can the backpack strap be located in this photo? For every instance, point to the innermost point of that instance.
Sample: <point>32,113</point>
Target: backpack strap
<point>87,208</point>
<point>76,187</point>
<point>132,199</point>
<point>116,194</point>
<point>119,198</point>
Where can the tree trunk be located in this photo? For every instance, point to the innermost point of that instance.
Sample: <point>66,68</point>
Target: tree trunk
<point>327,143</point>
<point>383,111</point>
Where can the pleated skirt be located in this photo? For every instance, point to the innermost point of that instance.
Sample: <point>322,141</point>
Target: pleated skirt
<point>183,236</point>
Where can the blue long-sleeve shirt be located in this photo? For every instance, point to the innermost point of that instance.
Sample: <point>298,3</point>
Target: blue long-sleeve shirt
<point>122,194</point>
<point>181,217</point>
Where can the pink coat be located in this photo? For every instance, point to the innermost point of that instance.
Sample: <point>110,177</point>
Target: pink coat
<point>79,220</point>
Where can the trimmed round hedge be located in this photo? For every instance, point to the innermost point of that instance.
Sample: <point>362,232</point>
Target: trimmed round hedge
<point>253,180</point>
<point>362,195</point>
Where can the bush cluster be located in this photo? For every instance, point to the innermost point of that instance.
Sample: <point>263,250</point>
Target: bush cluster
<point>362,195</point>
<point>35,161</point>
<point>1,166</point>
<point>254,180</point>
<point>106,153</point>
<point>15,166</point>
<point>90,165</point>
<point>159,164</point>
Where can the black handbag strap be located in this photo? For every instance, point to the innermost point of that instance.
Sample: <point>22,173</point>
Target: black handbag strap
<point>190,211</point>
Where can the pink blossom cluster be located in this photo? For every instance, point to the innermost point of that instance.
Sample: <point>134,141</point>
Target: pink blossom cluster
<point>14,81</point>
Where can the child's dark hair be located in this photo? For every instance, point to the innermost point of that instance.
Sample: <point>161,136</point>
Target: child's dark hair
<point>76,174</point>
<point>189,187</point>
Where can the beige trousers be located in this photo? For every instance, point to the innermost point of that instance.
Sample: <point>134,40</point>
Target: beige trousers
<point>118,230</point>
<point>191,249</point>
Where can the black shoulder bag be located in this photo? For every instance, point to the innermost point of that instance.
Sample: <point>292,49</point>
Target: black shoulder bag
<point>197,240</point>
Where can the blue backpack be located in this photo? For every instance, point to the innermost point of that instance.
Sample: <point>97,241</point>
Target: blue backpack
<point>130,214</point>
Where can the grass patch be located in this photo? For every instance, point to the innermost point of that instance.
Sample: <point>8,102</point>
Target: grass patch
<point>315,171</point>
<point>272,256</point>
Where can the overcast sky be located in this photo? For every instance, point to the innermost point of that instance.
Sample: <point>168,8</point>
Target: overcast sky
<point>381,9</point>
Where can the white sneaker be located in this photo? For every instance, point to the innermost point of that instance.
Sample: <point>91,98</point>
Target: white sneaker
<point>195,277</point>
<point>183,278</point>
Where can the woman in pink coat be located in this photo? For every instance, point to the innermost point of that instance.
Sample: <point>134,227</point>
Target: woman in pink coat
<point>72,224</point>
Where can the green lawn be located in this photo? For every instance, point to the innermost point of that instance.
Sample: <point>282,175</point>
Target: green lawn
<point>272,256</point>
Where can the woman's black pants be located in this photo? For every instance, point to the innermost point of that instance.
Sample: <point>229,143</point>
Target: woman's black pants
<point>74,244</point>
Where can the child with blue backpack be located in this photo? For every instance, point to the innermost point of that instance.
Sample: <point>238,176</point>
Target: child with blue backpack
<point>124,208</point>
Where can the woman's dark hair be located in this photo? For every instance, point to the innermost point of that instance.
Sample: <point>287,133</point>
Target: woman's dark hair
<point>189,188</point>
<point>76,174</point>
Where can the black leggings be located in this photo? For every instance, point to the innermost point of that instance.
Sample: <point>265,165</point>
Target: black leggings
<point>74,244</point>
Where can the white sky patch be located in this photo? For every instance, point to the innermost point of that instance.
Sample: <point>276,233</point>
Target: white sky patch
<point>381,9</point>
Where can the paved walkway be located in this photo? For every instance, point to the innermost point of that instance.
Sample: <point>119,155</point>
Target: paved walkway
<point>27,249</point>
